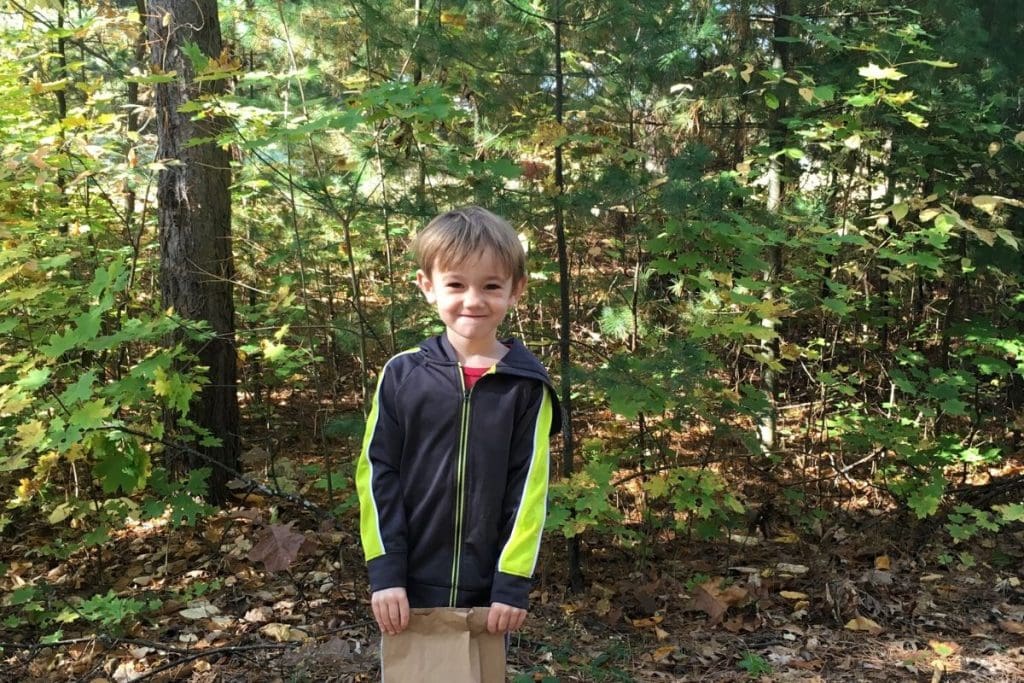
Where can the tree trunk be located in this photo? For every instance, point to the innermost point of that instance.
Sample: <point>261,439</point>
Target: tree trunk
<point>768,421</point>
<point>565,288</point>
<point>196,266</point>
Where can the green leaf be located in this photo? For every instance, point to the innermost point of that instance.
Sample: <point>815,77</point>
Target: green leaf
<point>915,119</point>
<point>837,306</point>
<point>925,500</point>
<point>771,100</point>
<point>1012,512</point>
<point>954,406</point>
<point>195,55</point>
<point>34,378</point>
<point>825,93</point>
<point>52,638</point>
<point>90,414</point>
<point>86,327</point>
<point>120,465</point>
<point>862,100</point>
<point>80,390</point>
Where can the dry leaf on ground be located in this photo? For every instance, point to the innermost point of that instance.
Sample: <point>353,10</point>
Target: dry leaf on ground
<point>278,547</point>
<point>863,624</point>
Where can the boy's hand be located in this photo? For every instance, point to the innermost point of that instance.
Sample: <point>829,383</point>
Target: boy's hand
<point>502,618</point>
<point>391,610</point>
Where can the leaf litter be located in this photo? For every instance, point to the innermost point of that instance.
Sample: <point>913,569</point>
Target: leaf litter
<point>243,598</point>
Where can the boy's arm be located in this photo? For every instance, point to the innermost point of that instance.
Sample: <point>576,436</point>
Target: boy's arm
<point>525,505</point>
<point>382,526</point>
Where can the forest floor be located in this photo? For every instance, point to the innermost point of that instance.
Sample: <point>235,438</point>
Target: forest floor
<point>867,597</point>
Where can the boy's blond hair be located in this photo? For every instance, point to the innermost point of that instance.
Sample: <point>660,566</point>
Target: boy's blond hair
<point>462,234</point>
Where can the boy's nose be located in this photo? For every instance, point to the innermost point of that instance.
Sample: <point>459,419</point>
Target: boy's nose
<point>471,298</point>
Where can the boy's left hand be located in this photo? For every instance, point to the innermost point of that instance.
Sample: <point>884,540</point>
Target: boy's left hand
<point>502,618</point>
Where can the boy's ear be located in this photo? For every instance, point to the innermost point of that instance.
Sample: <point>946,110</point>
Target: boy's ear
<point>518,289</point>
<point>426,286</point>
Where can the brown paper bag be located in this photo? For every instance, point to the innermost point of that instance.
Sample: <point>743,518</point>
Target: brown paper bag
<point>444,644</point>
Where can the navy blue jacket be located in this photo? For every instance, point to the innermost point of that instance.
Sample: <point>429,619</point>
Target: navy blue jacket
<point>453,483</point>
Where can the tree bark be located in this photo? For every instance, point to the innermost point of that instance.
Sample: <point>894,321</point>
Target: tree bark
<point>196,263</point>
<point>768,421</point>
<point>565,288</point>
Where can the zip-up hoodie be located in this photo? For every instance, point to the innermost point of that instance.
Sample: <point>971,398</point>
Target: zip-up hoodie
<point>453,483</point>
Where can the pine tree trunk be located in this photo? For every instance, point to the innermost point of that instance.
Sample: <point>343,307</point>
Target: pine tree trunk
<point>196,266</point>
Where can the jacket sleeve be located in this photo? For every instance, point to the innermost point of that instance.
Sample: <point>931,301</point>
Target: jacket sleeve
<point>382,525</point>
<point>525,505</point>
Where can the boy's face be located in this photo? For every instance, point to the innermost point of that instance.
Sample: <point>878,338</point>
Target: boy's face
<point>472,297</point>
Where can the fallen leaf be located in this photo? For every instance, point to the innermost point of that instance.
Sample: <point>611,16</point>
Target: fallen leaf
<point>278,631</point>
<point>647,622</point>
<point>793,595</point>
<point>661,633</point>
<point>663,652</point>
<point>863,624</point>
<point>944,648</point>
<point>714,601</point>
<point>877,577</point>
<point>786,568</point>
<point>278,547</point>
<point>749,623</point>
<point>882,562</point>
<point>200,610</point>
<point>1012,626</point>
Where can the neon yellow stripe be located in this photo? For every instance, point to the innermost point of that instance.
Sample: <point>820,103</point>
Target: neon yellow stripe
<point>369,514</point>
<point>519,556</point>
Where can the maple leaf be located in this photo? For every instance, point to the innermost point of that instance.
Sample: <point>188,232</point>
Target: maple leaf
<point>874,72</point>
<point>278,547</point>
<point>711,599</point>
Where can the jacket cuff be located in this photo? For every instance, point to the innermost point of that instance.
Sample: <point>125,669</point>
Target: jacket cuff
<point>387,571</point>
<point>511,590</point>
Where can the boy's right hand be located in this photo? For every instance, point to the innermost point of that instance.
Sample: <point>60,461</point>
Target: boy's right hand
<point>391,610</point>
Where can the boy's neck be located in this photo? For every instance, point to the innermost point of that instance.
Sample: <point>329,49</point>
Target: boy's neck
<point>481,353</point>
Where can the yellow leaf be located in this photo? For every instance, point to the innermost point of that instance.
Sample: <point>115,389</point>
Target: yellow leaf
<point>883,563</point>
<point>993,148</point>
<point>747,70</point>
<point>663,652</point>
<point>873,72</point>
<point>661,633</point>
<point>853,142</point>
<point>455,19</point>
<point>928,214</point>
<point>648,622</point>
<point>943,648</point>
<point>863,624</point>
<point>279,632</point>
<point>807,94</point>
<point>30,434</point>
<point>793,595</point>
<point>1019,138</point>
<point>899,211</point>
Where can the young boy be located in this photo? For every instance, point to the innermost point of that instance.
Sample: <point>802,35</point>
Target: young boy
<point>453,474</point>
